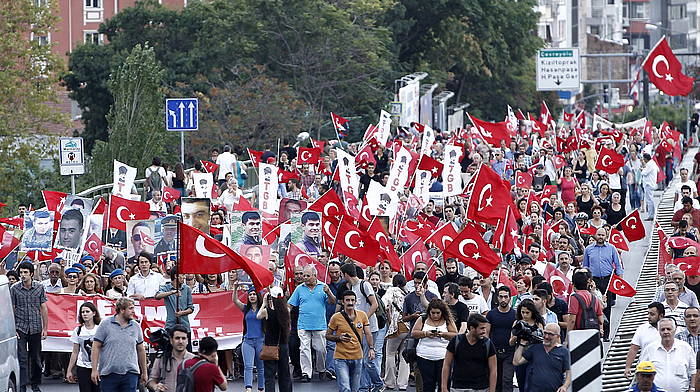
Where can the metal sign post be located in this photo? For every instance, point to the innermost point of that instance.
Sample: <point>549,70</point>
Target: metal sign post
<point>71,158</point>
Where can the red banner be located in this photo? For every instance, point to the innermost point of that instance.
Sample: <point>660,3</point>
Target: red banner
<point>214,315</point>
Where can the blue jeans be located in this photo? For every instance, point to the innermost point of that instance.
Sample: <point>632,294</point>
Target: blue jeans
<point>330,351</point>
<point>371,379</point>
<point>119,382</point>
<point>251,349</point>
<point>635,196</point>
<point>379,348</point>
<point>348,372</point>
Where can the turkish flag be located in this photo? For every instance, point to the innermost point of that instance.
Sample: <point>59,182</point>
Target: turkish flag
<point>665,71</point>
<point>255,157</point>
<point>170,194</point>
<point>664,256</point>
<point>632,227</point>
<point>545,114</point>
<point>609,161</point>
<point>270,231</point>
<point>8,242</point>
<point>492,133</point>
<point>54,202</point>
<point>296,257</point>
<point>210,167</point>
<point>506,234</point>
<point>489,198</point>
<point>588,230</point>
<point>561,285</point>
<point>370,132</point>
<point>386,248</point>
<point>416,253</point>
<point>339,125</point>
<point>618,240</point>
<point>523,179</point>
<point>201,254</point>
<point>689,265</point>
<point>682,243</point>
<point>505,280</point>
<point>283,176</point>
<point>443,237</point>
<point>559,161</point>
<point>100,206</point>
<point>122,210</point>
<point>45,256</point>
<point>351,242</point>
<point>430,164</point>
<point>615,133</point>
<point>329,204</point>
<point>243,205</point>
<point>419,227</point>
<point>470,248</point>
<point>93,246</point>
<point>365,156</point>
<point>308,155</point>
<point>548,191</point>
<point>581,119</point>
<point>17,221</point>
<point>568,116</point>
<point>618,286</point>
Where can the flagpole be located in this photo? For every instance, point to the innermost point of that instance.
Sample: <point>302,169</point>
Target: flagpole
<point>109,213</point>
<point>177,268</point>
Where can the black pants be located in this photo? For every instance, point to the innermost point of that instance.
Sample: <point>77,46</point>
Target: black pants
<point>504,362</point>
<point>85,383</point>
<point>430,372</point>
<point>280,368</point>
<point>29,353</point>
<point>602,284</point>
<point>295,351</point>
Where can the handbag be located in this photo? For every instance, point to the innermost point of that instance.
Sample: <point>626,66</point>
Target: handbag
<point>270,353</point>
<point>409,352</point>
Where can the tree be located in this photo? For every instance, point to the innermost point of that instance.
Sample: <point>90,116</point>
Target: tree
<point>28,70</point>
<point>250,111</point>
<point>135,120</point>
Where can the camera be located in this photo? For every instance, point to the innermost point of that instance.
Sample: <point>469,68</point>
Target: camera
<point>531,334</point>
<point>160,341</point>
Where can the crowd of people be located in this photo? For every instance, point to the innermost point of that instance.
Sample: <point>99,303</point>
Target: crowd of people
<point>442,325</point>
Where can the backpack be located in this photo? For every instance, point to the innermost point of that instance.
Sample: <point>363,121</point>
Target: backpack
<point>381,310</point>
<point>588,319</point>
<point>460,337</point>
<point>185,376</point>
<point>154,181</point>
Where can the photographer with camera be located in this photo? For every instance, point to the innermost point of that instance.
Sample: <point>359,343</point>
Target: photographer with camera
<point>163,376</point>
<point>527,328</point>
<point>549,363</point>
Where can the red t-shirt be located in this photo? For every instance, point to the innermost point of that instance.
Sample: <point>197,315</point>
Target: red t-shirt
<point>575,309</point>
<point>206,377</point>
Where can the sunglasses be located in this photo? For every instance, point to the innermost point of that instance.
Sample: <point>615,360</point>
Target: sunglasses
<point>136,237</point>
<point>72,276</point>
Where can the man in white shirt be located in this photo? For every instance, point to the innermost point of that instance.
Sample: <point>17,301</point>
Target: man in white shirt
<point>53,283</point>
<point>645,334</point>
<point>432,286</point>
<point>649,172</point>
<point>227,164</point>
<point>475,303</point>
<point>685,181</point>
<point>145,283</point>
<point>156,204</point>
<point>674,359</point>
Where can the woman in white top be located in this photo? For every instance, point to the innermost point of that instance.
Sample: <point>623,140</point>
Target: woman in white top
<point>230,197</point>
<point>80,367</point>
<point>434,333</point>
<point>116,288</point>
<point>70,286</point>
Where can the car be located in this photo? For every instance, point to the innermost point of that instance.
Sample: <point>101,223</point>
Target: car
<point>9,362</point>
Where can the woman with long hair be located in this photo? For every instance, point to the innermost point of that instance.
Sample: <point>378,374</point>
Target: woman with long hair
<point>396,332</point>
<point>179,178</point>
<point>434,333</point>
<point>252,338</point>
<point>79,366</point>
<point>585,200</point>
<point>90,285</point>
<point>568,184</point>
<point>275,312</point>
<point>527,314</point>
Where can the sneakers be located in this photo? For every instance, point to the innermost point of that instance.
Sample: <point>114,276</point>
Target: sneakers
<point>35,388</point>
<point>305,378</point>
<point>330,375</point>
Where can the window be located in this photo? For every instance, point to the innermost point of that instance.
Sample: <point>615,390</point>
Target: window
<point>638,44</point>
<point>42,40</point>
<point>595,30</point>
<point>93,3</point>
<point>677,11</point>
<point>41,3</point>
<point>693,19</point>
<point>638,10</point>
<point>692,45</point>
<point>679,41</point>
<point>93,37</point>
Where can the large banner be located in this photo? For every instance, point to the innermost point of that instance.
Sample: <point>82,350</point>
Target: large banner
<point>214,315</point>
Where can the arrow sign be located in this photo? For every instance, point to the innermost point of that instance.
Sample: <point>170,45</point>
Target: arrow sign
<point>181,114</point>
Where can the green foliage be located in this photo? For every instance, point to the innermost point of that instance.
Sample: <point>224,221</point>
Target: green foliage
<point>28,70</point>
<point>135,120</point>
<point>657,115</point>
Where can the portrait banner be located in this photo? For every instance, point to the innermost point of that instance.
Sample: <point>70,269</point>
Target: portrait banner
<point>38,231</point>
<point>124,177</point>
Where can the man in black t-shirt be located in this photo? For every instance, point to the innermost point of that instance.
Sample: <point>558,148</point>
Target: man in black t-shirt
<point>460,311</point>
<point>502,319</point>
<point>473,357</point>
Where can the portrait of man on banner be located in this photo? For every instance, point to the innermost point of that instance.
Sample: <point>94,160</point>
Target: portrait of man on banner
<point>38,234</point>
<point>196,212</point>
<point>310,240</point>
<point>124,177</point>
<point>139,239</point>
<point>166,238</point>
<point>72,230</point>
<point>259,254</point>
<point>246,229</point>
<point>289,207</point>
<point>113,259</point>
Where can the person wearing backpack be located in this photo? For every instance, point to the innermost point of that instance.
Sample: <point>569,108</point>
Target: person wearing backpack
<point>585,311</point>
<point>470,359</point>
<point>163,375</point>
<point>155,177</point>
<point>201,373</point>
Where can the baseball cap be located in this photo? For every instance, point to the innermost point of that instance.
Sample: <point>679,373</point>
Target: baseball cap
<point>646,367</point>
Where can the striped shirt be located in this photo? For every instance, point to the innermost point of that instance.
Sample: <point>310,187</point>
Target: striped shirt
<point>692,340</point>
<point>677,314</point>
<point>27,303</point>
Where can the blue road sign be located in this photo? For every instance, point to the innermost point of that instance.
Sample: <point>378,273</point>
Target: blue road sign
<point>181,114</point>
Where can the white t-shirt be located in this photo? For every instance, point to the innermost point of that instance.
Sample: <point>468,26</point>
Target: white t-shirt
<point>84,342</point>
<point>476,304</point>
<point>691,184</point>
<point>226,162</point>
